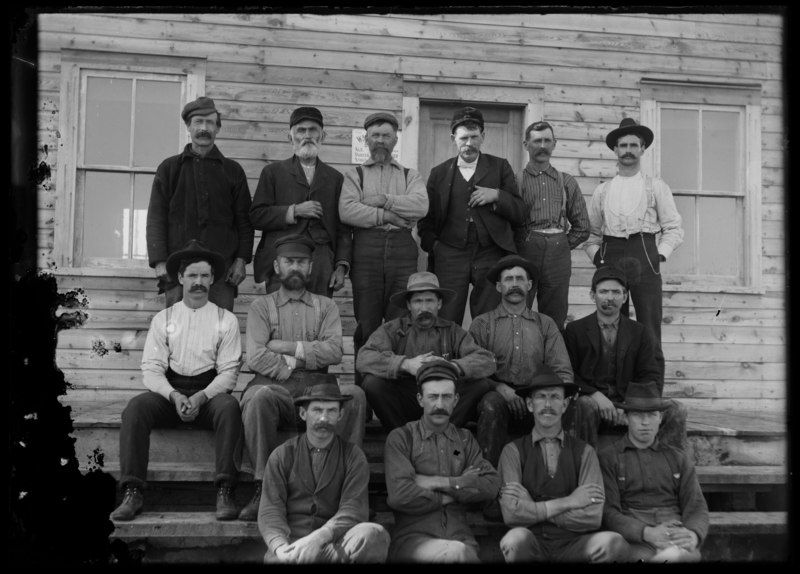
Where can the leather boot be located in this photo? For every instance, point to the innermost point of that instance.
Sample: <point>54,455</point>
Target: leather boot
<point>226,505</point>
<point>250,512</point>
<point>132,503</point>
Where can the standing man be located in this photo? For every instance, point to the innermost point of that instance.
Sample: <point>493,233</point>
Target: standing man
<point>625,216</point>
<point>300,195</point>
<point>552,494</point>
<point>293,336</point>
<point>314,501</point>
<point>382,200</point>
<point>200,194</point>
<point>522,341</point>
<point>556,223</point>
<point>393,355</point>
<point>434,469</point>
<point>474,204</point>
<point>190,365</point>
<point>610,353</point>
<point>653,496</point>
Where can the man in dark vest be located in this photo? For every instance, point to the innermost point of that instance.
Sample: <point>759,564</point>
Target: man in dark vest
<point>552,495</point>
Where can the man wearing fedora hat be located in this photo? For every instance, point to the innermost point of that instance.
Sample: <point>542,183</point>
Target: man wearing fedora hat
<point>609,353</point>
<point>293,336</point>
<point>301,195</point>
<point>474,206</point>
<point>190,365</point>
<point>314,500</point>
<point>382,201</point>
<point>634,216</point>
<point>433,471</point>
<point>653,496</point>
<point>521,340</point>
<point>200,194</point>
<point>552,494</point>
<point>394,353</point>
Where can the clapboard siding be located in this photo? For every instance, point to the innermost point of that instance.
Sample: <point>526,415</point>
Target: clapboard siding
<point>723,350</point>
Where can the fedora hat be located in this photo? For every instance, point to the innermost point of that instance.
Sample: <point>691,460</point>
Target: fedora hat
<point>507,262</point>
<point>195,248</point>
<point>545,377</point>
<point>418,282</point>
<point>327,391</point>
<point>629,126</point>
<point>642,397</point>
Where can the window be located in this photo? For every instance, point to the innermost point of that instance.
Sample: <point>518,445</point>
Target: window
<point>707,138</point>
<point>124,120</point>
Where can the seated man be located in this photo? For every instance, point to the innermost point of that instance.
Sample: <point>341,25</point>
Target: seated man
<point>521,340</point>
<point>314,500</point>
<point>608,352</point>
<point>397,349</point>
<point>190,363</point>
<point>653,497</point>
<point>293,335</point>
<point>434,469</point>
<point>552,493</point>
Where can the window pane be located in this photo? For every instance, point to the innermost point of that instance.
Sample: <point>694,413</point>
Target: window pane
<point>143,182</point>
<point>721,151</point>
<point>105,214</point>
<point>720,243</point>
<point>157,122</point>
<point>679,150</point>
<point>108,121</point>
<point>683,260</point>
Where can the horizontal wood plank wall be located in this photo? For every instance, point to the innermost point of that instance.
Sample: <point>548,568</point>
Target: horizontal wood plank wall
<point>723,351</point>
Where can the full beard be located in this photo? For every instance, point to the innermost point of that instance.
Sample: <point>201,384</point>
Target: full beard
<point>307,151</point>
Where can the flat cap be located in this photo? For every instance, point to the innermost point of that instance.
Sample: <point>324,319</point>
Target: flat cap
<point>201,106</point>
<point>437,369</point>
<point>381,117</point>
<point>294,245</point>
<point>306,113</point>
<point>465,115</point>
<point>609,272</point>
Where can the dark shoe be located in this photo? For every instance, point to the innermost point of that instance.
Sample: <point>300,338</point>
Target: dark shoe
<point>132,503</point>
<point>226,505</point>
<point>250,512</point>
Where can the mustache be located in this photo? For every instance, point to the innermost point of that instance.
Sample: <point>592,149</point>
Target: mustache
<point>199,288</point>
<point>440,412</point>
<point>203,133</point>
<point>630,155</point>
<point>323,426</point>
<point>547,412</point>
<point>542,151</point>
<point>425,316</point>
<point>516,290</point>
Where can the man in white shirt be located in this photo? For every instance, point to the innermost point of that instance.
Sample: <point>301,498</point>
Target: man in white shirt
<point>635,225</point>
<point>190,364</point>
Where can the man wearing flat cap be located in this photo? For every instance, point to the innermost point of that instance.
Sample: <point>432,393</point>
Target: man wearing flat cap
<point>301,195</point>
<point>653,496</point>
<point>200,194</point>
<point>474,207</point>
<point>521,340</point>
<point>634,216</point>
<point>434,470</point>
<point>394,353</point>
<point>190,365</point>
<point>314,501</point>
<point>609,353</point>
<point>293,336</point>
<point>552,494</point>
<point>382,201</point>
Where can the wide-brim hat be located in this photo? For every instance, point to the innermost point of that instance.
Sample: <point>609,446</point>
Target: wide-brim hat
<point>419,282</point>
<point>509,261</point>
<point>323,391</point>
<point>643,397</point>
<point>195,248</point>
<point>545,377</point>
<point>627,127</point>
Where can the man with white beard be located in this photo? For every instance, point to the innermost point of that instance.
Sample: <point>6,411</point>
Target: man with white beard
<point>300,195</point>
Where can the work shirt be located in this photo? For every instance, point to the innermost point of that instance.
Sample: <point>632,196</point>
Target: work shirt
<point>527,514</point>
<point>521,343</point>
<point>406,195</point>
<point>198,342</point>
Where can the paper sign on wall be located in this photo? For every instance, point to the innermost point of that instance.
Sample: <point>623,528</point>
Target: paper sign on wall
<point>360,151</point>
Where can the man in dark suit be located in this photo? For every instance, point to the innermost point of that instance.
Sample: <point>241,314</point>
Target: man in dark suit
<point>474,206</point>
<point>300,195</point>
<point>608,352</point>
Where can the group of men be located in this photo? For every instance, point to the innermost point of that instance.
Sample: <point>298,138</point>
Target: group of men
<point>514,372</point>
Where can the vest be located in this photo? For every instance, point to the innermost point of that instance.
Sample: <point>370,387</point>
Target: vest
<point>456,228</point>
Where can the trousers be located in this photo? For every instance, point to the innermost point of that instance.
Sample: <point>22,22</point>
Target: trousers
<point>551,256</point>
<point>521,545</point>
<point>364,543</point>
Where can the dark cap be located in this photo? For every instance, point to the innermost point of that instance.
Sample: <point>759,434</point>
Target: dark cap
<point>629,126</point>
<point>306,113</point>
<point>437,369</point>
<point>196,249</point>
<point>465,115</point>
<point>642,397</point>
<point>609,272</point>
<point>381,117</point>
<point>201,106</point>
<point>294,245</point>
<point>322,391</point>
<point>507,262</point>
<point>545,377</point>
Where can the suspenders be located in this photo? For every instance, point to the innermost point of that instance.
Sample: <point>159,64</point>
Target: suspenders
<point>274,317</point>
<point>562,216</point>
<point>622,474</point>
<point>360,171</point>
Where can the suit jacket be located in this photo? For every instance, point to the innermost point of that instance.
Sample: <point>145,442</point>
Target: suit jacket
<point>636,353</point>
<point>500,218</point>
<point>282,184</point>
